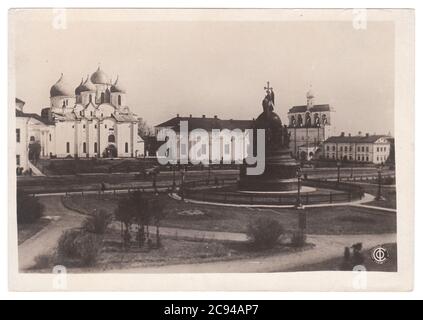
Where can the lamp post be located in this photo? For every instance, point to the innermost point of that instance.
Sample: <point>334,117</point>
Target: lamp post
<point>338,165</point>
<point>155,181</point>
<point>173,177</point>
<point>379,189</point>
<point>182,185</point>
<point>299,205</point>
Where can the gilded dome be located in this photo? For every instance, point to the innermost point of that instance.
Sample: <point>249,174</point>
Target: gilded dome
<point>99,77</point>
<point>60,89</point>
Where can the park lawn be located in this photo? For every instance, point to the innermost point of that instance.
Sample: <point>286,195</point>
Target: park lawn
<point>388,193</point>
<point>28,230</point>
<point>326,220</point>
<point>334,264</point>
<point>178,251</point>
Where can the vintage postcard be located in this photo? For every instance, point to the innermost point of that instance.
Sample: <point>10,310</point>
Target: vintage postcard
<point>211,150</point>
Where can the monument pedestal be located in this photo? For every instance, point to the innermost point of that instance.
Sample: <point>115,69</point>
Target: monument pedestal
<point>279,174</point>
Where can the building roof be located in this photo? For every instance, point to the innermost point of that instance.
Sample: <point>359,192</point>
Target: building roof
<point>354,139</point>
<point>19,101</point>
<point>207,123</point>
<point>315,108</point>
<point>35,116</point>
<point>122,117</point>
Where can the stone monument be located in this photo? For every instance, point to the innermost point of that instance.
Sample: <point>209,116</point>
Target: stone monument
<point>281,169</point>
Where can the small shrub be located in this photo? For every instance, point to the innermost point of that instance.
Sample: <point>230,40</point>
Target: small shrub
<point>265,232</point>
<point>43,261</point>
<point>98,222</point>
<point>66,247</point>
<point>77,244</point>
<point>88,246</point>
<point>298,239</point>
<point>28,209</point>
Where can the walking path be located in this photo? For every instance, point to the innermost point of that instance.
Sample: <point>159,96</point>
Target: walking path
<point>326,247</point>
<point>366,198</point>
<point>45,241</point>
<point>375,208</point>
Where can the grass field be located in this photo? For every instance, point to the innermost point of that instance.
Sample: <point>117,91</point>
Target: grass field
<point>330,220</point>
<point>178,251</point>
<point>389,195</point>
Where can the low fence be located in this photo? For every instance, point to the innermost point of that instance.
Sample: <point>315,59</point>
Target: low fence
<point>221,192</point>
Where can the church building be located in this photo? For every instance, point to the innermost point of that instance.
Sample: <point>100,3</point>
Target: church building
<point>92,120</point>
<point>309,126</point>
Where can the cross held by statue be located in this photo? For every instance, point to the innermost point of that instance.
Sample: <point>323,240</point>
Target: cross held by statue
<point>268,88</point>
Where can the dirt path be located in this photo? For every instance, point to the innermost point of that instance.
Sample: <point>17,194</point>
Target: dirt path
<point>45,241</point>
<point>326,247</point>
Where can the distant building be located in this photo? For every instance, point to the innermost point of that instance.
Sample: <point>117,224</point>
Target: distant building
<point>361,148</point>
<point>309,125</point>
<point>30,130</point>
<point>227,144</point>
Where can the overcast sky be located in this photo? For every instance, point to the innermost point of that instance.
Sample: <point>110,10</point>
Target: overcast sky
<point>214,67</point>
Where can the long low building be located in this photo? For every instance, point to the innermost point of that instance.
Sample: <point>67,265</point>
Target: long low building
<point>362,148</point>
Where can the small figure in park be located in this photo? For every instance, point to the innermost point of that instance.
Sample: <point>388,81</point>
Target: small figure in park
<point>357,257</point>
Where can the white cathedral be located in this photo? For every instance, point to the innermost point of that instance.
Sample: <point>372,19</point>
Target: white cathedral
<point>93,120</point>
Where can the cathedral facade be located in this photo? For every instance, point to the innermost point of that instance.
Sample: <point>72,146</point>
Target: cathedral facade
<point>92,120</point>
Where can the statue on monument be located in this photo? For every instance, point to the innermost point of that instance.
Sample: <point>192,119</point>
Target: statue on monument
<point>280,167</point>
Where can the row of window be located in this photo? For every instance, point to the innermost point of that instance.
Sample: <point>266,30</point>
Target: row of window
<point>90,99</point>
<point>359,149</point>
<point>84,147</point>
<point>359,158</point>
<point>81,113</point>
<point>95,126</point>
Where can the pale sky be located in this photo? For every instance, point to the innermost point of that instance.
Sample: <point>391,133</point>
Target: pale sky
<point>215,67</point>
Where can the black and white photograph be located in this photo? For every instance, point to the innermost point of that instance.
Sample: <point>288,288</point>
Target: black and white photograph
<point>152,142</point>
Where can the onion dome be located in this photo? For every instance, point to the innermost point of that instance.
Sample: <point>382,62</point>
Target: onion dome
<point>99,77</point>
<point>85,86</point>
<point>88,85</point>
<point>78,89</point>
<point>116,87</point>
<point>60,89</point>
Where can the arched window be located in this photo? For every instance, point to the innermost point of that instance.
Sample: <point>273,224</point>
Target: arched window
<point>90,98</point>
<point>300,121</point>
<point>67,147</point>
<point>119,100</point>
<point>126,147</point>
<point>32,139</point>
<point>316,119</point>
<point>112,138</point>
<point>84,147</point>
<point>95,147</point>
